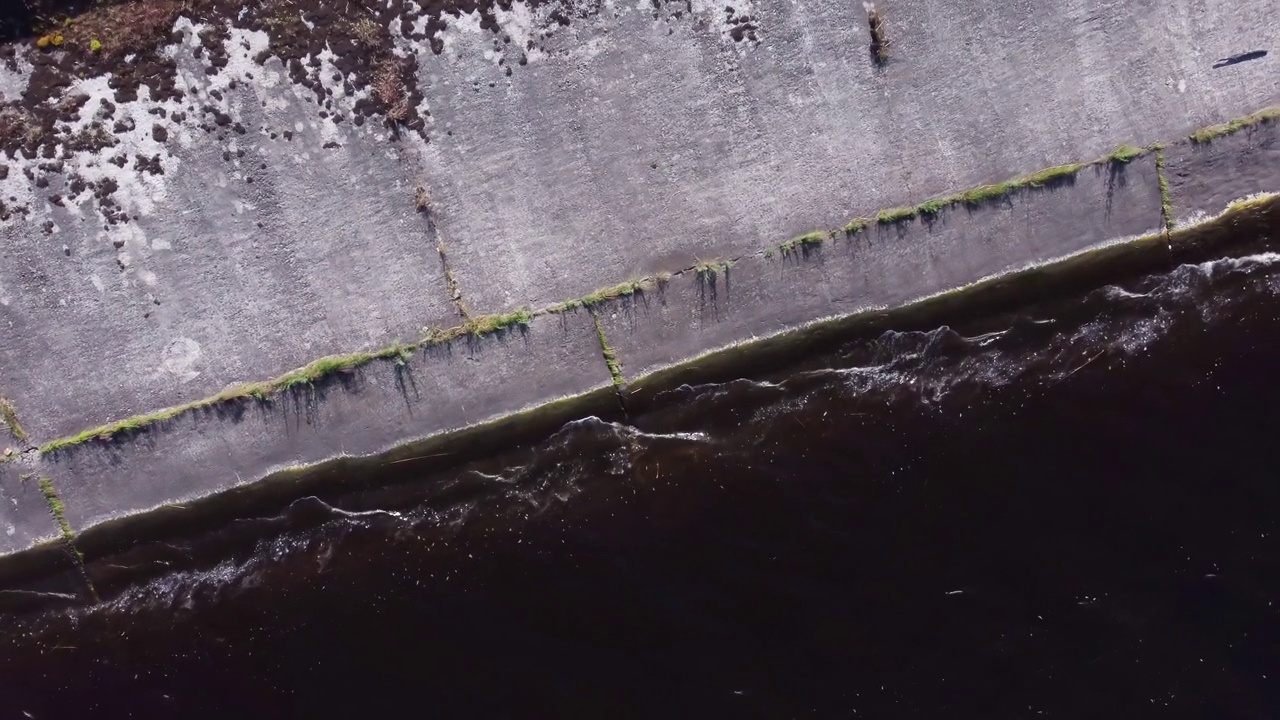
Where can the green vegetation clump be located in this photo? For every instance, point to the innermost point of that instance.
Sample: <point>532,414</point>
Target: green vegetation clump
<point>1048,176</point>
<point>803,242</point>
<point>1213,132</point>
<point>488,324</point>
<point>856,226</point>
<point>893,215</point>
<point>625,289</point>
<point>1125,154</point>
<point>709,269</point>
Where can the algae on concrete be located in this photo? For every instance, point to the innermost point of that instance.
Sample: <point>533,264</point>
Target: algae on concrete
<point>9,415</point>
<point>979,195</point>
<point>1212,132</point>
<point>610,355</point>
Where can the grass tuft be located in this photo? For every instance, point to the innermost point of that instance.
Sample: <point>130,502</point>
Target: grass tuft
<point>710,269</point>
<point>1124,154</point>
<point>986,193</point>
<point>803,242</point>
<point>856,226</point>
<point>56,508</point>
<point>10,417</point>
<point>1213,132</point>
<point>1049,176</point>
<point>489,324</point>
<point>893,215</point>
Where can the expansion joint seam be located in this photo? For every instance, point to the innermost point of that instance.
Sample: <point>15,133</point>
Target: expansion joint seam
<point>610,360</point>
<point>1166,199</point>
<point>58,510</point>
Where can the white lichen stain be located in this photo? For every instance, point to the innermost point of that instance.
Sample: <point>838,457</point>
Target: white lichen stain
<point>14,83</point>
<point>521,23</point>
<point>179,359</point>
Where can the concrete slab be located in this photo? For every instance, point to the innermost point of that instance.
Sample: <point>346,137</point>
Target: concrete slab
<point>249,257</point>
<point>380,407</point>
<point>1205,177</point>
<point>641,144</point>
<point>25,520</point>
<point>883,266</point>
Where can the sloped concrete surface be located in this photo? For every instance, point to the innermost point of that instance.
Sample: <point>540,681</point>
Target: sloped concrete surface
<point>885,266</point>
<point>554,169</point>
<point>373,410</point>
<point>250,227</point>
<point>25,520</point>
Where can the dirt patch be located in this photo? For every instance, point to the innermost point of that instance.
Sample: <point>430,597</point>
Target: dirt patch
<point>129,40</point>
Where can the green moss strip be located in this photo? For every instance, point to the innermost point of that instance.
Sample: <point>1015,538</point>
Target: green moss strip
<point>1125,154</point>
<point>56,508</point>
<point>310,374</point>
<point>621,290</point>
<point>10,417</point>
<point>1166,199</point>
<point>1213,132</point>
<point>610,356</point>
<point>59,513</point>
<point>981,194</point>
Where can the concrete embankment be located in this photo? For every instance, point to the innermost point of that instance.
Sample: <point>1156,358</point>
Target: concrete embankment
<point>545,213</point>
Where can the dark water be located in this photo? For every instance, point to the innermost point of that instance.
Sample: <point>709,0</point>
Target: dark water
<point>1069,512</point>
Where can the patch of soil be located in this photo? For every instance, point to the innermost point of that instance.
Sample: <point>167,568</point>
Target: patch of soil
<point>67,39</point>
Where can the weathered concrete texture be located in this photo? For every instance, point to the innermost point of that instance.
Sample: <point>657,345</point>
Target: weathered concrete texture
<point>265,230</point>
<point>1204,177</point>
<point>661,142</point>
<point>25,520</point>
<point>381,406</point>
<point>883,266</point>
<point>249,257</point>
